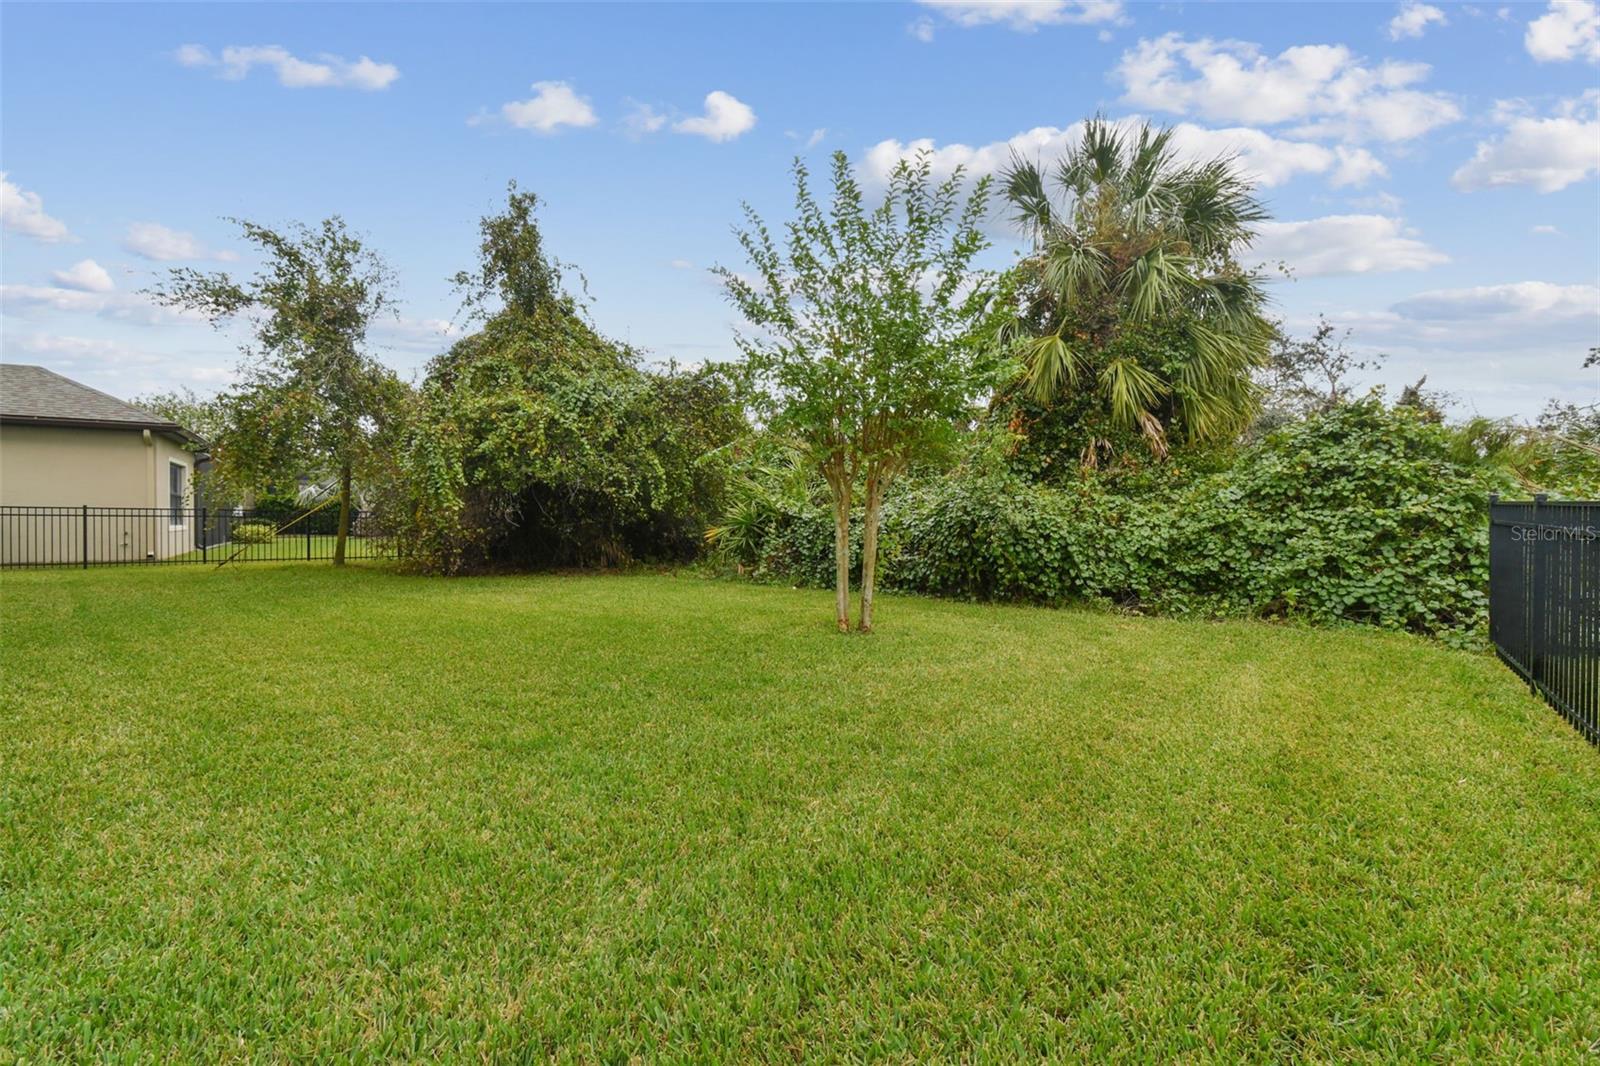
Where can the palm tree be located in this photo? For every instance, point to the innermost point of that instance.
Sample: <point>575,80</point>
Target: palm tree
<point>1133,299</point>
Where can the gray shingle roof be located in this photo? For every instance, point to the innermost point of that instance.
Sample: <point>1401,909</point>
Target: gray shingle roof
<point>34,394</point>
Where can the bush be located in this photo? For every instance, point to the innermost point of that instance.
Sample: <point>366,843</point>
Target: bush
<point>252,533</point>
<point>281,508</point>
<point>1357,515</point>
<point>540,443</point>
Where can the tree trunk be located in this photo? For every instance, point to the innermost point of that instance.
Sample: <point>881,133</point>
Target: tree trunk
<point>841,557</point>
<point>344,515</point>
<point>869,547</point>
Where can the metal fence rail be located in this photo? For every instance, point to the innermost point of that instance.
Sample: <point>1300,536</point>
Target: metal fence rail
<point>83,536</point>
<point>1544,601</point>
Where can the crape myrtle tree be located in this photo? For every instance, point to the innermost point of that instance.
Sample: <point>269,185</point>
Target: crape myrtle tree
<point>1133,313</point>
<point>864,345</point>
<point>311,398</point>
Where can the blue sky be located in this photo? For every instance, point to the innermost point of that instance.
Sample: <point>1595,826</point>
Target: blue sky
<point>1432,169</point>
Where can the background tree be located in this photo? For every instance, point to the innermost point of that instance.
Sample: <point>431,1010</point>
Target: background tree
<point>204,416</point>
<point>1303,376</point>
<point>311,400</point>
<point>864,348</point>
<point>1133,308</point>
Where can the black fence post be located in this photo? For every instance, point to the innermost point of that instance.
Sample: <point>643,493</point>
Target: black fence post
<point>1537,644</point>
<point>86,536</point>
<point>205,534</point>
<point>308,542</point>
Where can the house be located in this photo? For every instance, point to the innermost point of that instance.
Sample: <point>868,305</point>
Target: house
<point>84,476</point>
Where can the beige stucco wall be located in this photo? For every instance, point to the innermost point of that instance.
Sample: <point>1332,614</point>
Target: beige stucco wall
<point>51,466</point>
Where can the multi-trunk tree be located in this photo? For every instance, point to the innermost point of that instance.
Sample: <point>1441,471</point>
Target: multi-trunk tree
<point>312,400</point>
<point>864,347</point>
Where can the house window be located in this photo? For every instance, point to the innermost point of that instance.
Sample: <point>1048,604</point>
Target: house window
<point>176,472</point>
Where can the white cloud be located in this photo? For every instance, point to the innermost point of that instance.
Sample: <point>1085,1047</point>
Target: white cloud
<point>1570,29</point>
<point>553,105</point>
<point>1413,19</point>
<point>1343,244</point>
<point>151,240</point>
<point>1025,15</point>
<point>1265,159</point>
<point>1520,302</point>
<point>22,212</point>
<point>1545,231</point>
<point>643,119</point>
<point>681,264</point>
<point>86,276</point>
<point>1502,349</point>
<point>816,137</point>
<point>1383,202</point>
<point>77,351</point>
<point>28,301</point>
<point>325,72</point>
<point>922,30</point>
<point>1324,89</point>
<point>1547,153</point>
<point>725,118</point>
<point>122,369</point>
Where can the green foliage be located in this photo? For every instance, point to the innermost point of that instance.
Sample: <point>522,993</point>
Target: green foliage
<point>312,397</point>
<point>537,442</point>
<point>281,508</point>
<point>865,351</point>
<point>252,533</point>
<point>769,484</point>
<point>1361,514</point>
<point>1133,309</point>
<point>512,264</point>
<point>1559,455</point>
<point>864,319</point>
<point>204,416</point>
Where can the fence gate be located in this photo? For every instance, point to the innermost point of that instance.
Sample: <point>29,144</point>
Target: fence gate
<point>1544,601</point>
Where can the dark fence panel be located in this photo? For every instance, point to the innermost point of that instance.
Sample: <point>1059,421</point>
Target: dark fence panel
<point>1544,601</point>
<point>83,536</point>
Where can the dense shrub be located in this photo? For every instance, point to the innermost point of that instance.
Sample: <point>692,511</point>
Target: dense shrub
<point>252,533</point>
<point>539,443</point>
<point>1360,514</point>
<point>281,508</point>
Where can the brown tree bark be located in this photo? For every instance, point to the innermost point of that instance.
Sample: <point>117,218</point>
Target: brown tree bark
<point>344,515</point>
<point>841,558</point>
<point>876,483</point>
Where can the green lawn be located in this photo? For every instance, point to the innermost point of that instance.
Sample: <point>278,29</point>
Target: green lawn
<point>282,812</point>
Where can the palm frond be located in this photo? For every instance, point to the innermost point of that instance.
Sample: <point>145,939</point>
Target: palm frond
<point>1155,284</point>
<point>1023,188</point>
<point>1051,365</point>
<point>1073,269</point>
<point>1130,390</point>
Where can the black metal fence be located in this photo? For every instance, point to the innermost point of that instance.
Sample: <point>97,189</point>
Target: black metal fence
<point>1544,601</point>
<point>86,536</point>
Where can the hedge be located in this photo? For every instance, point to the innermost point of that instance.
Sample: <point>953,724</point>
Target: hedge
<point>1360,515</point>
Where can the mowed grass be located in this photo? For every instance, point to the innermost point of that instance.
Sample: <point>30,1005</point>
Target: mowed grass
<point>286,812</point>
